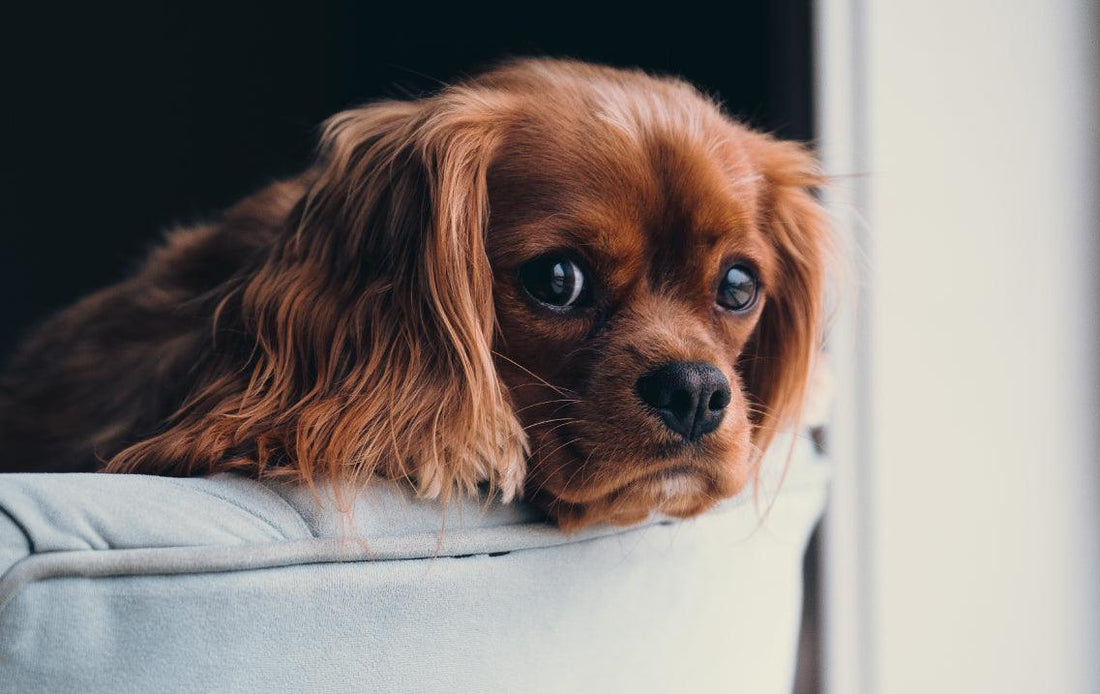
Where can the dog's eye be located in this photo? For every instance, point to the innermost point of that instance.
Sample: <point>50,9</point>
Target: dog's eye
<point>555,281</point>
<point>739,288</point>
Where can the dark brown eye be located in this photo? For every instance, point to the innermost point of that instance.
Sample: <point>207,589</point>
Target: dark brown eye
<point>556,281</point>
<point>738,289</point>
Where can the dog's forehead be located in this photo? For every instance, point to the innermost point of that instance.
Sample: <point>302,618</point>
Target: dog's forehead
<point>656,196</point>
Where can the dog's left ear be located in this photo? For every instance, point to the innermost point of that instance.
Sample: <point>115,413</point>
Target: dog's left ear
<point>778,362</point>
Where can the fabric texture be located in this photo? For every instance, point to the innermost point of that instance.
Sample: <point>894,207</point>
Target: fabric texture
<point>129,583</point>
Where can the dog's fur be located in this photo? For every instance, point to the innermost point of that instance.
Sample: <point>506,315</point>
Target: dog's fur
<point>365,318</point>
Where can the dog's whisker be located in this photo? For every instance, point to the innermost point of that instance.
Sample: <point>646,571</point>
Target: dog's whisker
<point>549,421</point>
<point>567,443</point>
<point>546,402</point>
<point>560,389</point>
<point>562,465</point>
<point>542,438</point>
<point>581,468</point>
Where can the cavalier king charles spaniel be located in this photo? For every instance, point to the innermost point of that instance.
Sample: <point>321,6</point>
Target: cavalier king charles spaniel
<point>580,284</point>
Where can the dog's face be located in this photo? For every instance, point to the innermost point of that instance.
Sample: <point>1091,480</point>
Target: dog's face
<point>584,284</point>
<point>633,258</point>
<point>630,271</point>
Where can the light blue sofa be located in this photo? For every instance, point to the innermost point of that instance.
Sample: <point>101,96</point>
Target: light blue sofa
<point>142,584</point>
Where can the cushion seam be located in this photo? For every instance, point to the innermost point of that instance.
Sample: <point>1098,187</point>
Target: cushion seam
<point>297,516</point>
<point>287,561</point>
<point>23,529</point>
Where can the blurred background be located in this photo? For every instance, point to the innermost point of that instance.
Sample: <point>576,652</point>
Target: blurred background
<point>961,550</point>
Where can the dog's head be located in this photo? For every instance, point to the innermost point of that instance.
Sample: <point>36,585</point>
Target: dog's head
<point>583,283</point>
<point>657,283</point>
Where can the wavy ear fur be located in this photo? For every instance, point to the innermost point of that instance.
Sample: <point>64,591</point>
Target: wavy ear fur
<point>365,334</point>
<point>779,361</point>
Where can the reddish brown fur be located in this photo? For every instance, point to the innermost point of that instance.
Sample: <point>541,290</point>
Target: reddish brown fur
<point>365,318</point>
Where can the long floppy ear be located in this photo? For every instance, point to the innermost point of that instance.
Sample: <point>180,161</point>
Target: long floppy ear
<point>778,363</point>
<point>372,319</point>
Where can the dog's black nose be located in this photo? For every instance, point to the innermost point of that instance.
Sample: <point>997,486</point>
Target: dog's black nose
<point>690,397</point>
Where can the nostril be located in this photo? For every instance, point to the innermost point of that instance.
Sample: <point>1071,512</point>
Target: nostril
<point>718,400</point>
<point>652,389</point>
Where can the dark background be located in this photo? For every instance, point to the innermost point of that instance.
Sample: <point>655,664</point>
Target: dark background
<point>118,123</point>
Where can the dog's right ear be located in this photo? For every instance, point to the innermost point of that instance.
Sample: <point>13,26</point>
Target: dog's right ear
<point>372,318</point>
<point>396,221</point>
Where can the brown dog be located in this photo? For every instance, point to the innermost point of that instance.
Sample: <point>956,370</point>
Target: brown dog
<point>581,283</point>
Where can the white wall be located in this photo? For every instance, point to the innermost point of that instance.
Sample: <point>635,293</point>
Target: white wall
<point>964,542</point>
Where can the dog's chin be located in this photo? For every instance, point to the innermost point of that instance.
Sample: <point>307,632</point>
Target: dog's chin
<point>680,492</point>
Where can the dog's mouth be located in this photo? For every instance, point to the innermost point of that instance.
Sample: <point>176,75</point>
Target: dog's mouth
<point>580,478</point>
<point>678,490</point>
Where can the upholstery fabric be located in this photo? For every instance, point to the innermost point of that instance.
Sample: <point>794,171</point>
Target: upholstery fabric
<point>129,583</point>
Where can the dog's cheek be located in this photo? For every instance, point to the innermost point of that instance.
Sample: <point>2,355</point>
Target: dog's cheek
<point>738,463</point>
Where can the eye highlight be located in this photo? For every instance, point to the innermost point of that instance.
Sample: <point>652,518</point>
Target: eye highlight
<point>739,288</point>
<point>555,281</point>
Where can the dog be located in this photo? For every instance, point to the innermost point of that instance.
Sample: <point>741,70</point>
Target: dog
<point>580,284</point>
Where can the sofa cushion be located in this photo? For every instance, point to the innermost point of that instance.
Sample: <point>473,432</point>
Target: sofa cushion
<point>121,583</point>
